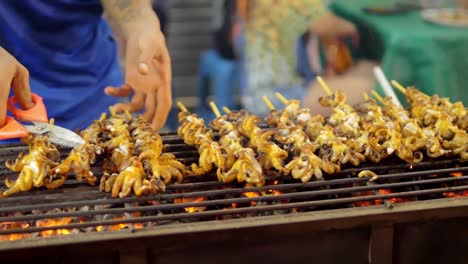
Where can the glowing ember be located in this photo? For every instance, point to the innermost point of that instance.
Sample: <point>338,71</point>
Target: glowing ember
<point>251,195</point>
<point>456,174</point>
<point>13,225</point>
<point>123,225</point>
<point>52,223</point>
<point>379,201</point>
<point>459,194</point>
<point>192,200</point>
<point>364,203</point>
<point>272,192</point>
<point>394,200</point>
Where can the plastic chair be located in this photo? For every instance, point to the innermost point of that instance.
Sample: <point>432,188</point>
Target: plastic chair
<point>220,76</point>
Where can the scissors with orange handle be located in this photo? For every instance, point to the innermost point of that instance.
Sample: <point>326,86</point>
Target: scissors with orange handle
<point>37,115</point>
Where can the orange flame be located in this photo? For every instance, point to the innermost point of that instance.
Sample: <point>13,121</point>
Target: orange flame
<point>191,200</point>
<point>251,194</point>
<point>379,201</point>
<point>272,192</point>
<point>459,194</point>
<point>456,174</point>
<point>52,223</point>
<point>13,225</point>
<point>121,226</point>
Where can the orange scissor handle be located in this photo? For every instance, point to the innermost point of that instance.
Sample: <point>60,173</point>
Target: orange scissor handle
<point>37,113</point>
<point>12,129</point>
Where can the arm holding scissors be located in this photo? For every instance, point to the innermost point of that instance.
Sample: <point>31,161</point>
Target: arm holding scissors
<point>15,75</point>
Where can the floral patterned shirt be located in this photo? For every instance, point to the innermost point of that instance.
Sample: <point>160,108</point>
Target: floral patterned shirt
<point>271,34</point>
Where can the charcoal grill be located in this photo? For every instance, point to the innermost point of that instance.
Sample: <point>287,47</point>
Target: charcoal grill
<point>322,221</point>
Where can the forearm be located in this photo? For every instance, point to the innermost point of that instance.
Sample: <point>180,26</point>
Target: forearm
<point>125,15</point>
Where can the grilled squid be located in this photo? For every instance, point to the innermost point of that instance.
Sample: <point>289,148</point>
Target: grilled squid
<point>162,168</point>
<point>245,168</point>
<point>194,132</point>
<point>34,166</point>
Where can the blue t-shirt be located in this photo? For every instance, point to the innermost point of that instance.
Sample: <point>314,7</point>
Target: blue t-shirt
<point>69,52</point>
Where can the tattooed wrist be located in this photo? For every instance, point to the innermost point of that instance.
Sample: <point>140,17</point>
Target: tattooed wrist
<point>128,12</point>
<point>123,13</point>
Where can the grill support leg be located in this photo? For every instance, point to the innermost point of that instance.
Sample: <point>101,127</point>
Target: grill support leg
<point>381,244</point>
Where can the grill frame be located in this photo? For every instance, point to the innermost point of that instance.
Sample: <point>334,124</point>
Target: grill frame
<point>379,222</point>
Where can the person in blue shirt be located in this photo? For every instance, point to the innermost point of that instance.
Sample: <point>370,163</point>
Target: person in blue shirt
<point>64,51</point>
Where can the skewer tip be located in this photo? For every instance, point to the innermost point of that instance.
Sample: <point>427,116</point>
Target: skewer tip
<point>398,86</point>
<point>112,111</point>
<point>268,103</point>
<point>377,96</point>
<point>324,85</point>
<point>52,121</point>
<point>127,114</point>
<point>226,110</point>
<point>366,96</point>
<point>182,107</point>
<point>103,116</point>
<point>282,98</point>
<point>215,109</point>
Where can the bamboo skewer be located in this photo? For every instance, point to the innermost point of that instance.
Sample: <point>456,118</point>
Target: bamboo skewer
<point>324,86</point>
<point>377,96</point>
<point>128,115</point>
<point>215,109</point>
<point>111,110</point>
<point>226,110</point>
<point>102,117</point>
<point>399,87</point>
<point>366,96</point>
<point>52,121</point>
<point>282,98</point>
<point>268,103</point>
<point>182,107</point>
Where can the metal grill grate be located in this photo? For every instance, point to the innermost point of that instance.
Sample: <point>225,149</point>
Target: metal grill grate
<point>432,179</point>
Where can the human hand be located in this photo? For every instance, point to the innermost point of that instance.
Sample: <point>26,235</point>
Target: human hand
<point>13,74</point>
<point>332,26</point>
<point>147,72</point>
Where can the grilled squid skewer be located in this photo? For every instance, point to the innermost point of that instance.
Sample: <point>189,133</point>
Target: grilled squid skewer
<point>82,156</point>
<point>162,168</point>
<point>123,171</point>
<point>439,122</point>
<point>306,163</point>
<point>34,166</point>
<point>246,168</point>
<point>195,133</point>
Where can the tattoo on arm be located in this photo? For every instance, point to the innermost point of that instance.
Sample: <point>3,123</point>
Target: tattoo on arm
<point>123,11</point>
<point>122,4</point>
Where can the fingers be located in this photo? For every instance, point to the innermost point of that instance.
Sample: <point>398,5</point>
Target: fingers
<point>164,97</point>
<point>20,84</point>
<point>162,111</point>
<point>17,76</point>
<point>4,92</point>
<point>136,104</point>
<point>150,107</point>
<point>123,91</point>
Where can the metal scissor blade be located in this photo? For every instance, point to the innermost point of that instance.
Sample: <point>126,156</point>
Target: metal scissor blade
<point>57,135</point>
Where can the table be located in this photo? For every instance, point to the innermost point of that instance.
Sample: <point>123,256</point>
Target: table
<point>432,57</point>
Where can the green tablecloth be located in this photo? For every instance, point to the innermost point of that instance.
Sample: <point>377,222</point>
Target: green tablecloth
<point>412,51</point>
